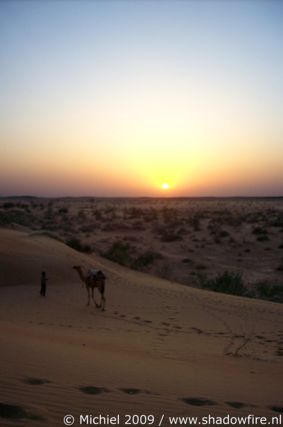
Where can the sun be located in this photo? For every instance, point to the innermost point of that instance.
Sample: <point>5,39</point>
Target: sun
<point>165,186</point>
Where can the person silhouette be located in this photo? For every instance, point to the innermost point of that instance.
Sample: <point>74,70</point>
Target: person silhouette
<point>43,284</point>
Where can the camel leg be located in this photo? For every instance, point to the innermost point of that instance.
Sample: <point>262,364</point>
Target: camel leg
<point>102,304</point>
<point>97,305</point>
<point>88,296</point>
<point>102,300</point>
<point>92,296</point>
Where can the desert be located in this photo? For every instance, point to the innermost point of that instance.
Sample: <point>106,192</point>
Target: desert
<point>160,347</point>
<point>141,213</point>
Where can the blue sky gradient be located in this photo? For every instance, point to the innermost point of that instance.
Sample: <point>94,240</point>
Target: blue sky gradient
<point>118,97</point>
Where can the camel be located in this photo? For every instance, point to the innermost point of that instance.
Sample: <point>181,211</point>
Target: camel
<point>93,279</point>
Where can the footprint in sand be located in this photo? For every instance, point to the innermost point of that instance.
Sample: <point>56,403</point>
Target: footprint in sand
<point>197,330</point>
<point>260,337</point>
<point>93,390</point>
<point>237,404</point>
<point>198,401</point>
<point>16,412</point>
<point>276,408</point>
<point>36,381</point>
<point>130,390</point>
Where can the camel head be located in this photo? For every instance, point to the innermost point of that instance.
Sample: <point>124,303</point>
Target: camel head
<point>79,270</point>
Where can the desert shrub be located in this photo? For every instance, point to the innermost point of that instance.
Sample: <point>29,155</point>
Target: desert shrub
<point>268,291</point>
<point>24,206</point>
<point>63,211</point>
<point>187,261</point>
<point>217,240</point>
<point>49,213</point>
<point>76,244</point>
<point>145,259</point>
<point>195,222</point>
<point>201,267</point>
<point>227,282</point>
<point>150,215</point>
<point>170,215</point>
<point>81,215</point>
<point>8,205</point>
<point>277,220</point>
<point>97,213</point>
<point>125,254</point>
<point>109,209</point>
<point>235,220</point>
<point>120,252</point>
<point>13,216</point>
<point>133,212</point>
<point>263,238</point>
<point>169,234</point>
<point>87,248</point>
<point>259,231</point>
<point>223,233</point>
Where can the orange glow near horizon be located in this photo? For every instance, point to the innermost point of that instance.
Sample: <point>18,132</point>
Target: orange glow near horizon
<point>128,172</point>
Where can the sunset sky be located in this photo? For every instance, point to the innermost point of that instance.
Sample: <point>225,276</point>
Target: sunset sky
<point>118,98</point>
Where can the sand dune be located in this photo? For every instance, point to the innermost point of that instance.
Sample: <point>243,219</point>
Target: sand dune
<point>158,348</point>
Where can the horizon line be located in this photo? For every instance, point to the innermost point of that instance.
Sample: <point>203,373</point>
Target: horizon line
<point>28,196</point>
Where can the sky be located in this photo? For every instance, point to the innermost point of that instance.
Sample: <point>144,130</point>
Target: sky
<point>119,98</point>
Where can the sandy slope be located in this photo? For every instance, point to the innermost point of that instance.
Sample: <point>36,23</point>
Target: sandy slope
<point>157,343</point>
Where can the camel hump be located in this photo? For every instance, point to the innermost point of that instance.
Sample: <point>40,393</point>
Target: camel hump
<point>94,272</point>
